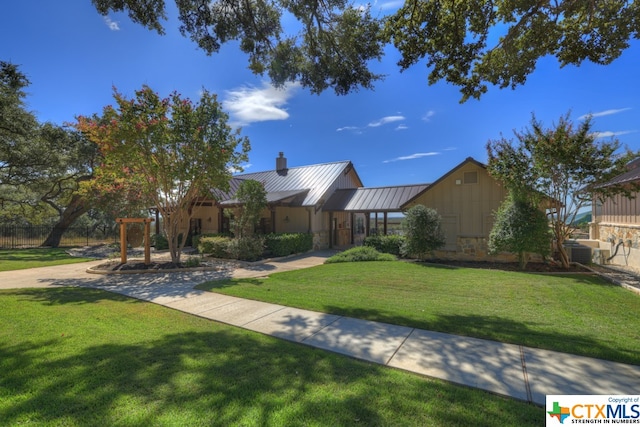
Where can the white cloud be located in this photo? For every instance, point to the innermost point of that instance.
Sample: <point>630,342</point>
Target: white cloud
<point>412,156</point>
<point>250,104</point>
<point>402,127</point>
<point>608,134</point>
<point>113,25</point>
<point>427,116</point>
<point>241,169</point>
<point>385,120</point>
<point>347,128</point>
<point>603,113</point>
<point>392,4</point>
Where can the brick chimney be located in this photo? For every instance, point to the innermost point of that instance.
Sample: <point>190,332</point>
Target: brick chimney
<point>281,163</point>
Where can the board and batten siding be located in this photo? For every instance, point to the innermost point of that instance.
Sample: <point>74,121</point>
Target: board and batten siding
<point>620,210</point>
<point>466,200</point>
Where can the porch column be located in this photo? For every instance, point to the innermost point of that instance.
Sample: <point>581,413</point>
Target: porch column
<point>351,225</point>
<point>330,230</point>
<point>385,223</point>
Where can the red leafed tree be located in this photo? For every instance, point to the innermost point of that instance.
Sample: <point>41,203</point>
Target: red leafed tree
<point>167,152</point>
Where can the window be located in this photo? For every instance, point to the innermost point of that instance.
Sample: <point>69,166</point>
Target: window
<point>471,177</point>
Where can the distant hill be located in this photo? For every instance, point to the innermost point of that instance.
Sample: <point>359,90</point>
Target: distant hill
<point>582,218</point>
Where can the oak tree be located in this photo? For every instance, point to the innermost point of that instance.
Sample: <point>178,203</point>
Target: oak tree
<point>469,43</point>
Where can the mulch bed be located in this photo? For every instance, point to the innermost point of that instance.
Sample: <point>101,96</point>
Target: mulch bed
<point>130,266</point>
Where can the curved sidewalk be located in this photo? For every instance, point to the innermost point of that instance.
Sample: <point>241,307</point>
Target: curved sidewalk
<point>517,371</point>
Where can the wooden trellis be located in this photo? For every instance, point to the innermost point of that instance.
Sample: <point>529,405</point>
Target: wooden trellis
<point>123,237</point>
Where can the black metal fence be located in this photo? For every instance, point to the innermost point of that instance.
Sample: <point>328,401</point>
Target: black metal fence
<point>12,237</point>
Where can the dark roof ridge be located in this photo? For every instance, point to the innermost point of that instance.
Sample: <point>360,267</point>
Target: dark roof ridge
<point>389,186</point>
<point>294,167</point>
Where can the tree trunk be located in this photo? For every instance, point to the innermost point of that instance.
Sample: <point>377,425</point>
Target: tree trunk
<point>564,257</point>
<point>73,211</point>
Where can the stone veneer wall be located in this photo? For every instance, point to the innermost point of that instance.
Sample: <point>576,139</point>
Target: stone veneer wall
<point>610,235</point>
<point>474,249</point>
<point>320,240</point>
<point>627,232</point>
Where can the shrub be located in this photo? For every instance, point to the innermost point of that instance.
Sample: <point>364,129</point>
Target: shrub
<point>360,253</point>
<point>520,227</point>
<point>424,232</point>
<point>195,240</point>
<point>159,242</point>
<point>288,243</point>
<point>390,244</point>
<point>216,246</point>
<point>246,248</point>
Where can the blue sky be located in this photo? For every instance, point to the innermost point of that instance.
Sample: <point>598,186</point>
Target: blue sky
<point>403,132</point>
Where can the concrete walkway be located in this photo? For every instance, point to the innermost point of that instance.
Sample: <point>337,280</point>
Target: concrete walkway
<point>508,369</point>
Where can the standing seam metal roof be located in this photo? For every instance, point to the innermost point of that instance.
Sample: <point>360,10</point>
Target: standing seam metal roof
<point>316,179</point>
<point>378,199</point>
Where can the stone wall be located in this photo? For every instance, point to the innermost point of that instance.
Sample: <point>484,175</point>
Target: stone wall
<point>625,238</point>
<point>320,240</point>
<point>474,249</point>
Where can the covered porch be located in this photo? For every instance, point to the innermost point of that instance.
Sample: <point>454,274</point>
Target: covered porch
<point>360,212</point>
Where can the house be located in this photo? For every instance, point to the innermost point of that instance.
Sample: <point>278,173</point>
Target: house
<point>466,198</point>
<point>330,201</point>
<point>615,228</point>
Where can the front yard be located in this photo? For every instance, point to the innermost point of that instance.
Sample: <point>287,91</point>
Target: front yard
<point>83,357</point>
<point>579,314</point>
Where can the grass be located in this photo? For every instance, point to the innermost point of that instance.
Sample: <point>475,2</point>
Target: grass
<point>83,357</point>
<point>20,259</point>
<point>579,314</point>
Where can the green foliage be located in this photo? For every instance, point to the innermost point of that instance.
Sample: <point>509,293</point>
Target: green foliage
<point>253,197</point>
<point>42,165</point>
<point>360,253</point>
<point>246,248</point>
<point>389,244</point>
<point>560,168</point>
<point>469,43</point>
<point>242,248</point>
<point>171,150</point>
<point>159,242</point>
<point>423,232</point>
<point>520,227</point>
<point>455,38</point>
<point>283,244</point>
<point>216,246</point>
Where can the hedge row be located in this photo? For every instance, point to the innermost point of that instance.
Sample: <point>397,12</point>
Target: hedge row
<point>389,244</point>
<point>246,248</point>
<point>284,244</point>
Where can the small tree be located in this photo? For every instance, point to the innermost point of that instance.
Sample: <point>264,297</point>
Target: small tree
<point>520,227</point>
<point>561,168</point>
<point>253,197</point>
<point>424,232</point>
<point>170,149</point>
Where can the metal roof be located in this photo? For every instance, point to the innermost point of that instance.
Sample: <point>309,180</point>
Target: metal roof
<point>315,180</point>
<point>273,197</point>
<point>378,199</point>
<point>633,174</point>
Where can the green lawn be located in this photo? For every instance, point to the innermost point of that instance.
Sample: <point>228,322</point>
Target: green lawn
<point>82,357</point>
<point>19,259</point>
<point>579,314</point>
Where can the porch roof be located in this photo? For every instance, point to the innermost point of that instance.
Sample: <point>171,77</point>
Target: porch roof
<point>376,199</point>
